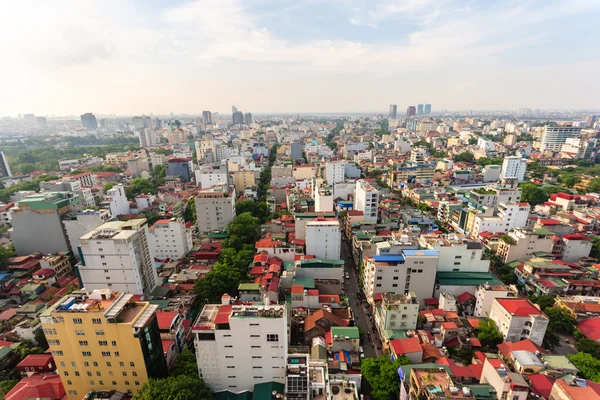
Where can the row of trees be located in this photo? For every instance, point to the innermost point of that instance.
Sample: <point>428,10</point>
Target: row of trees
<point>381,373</point>
<point>31,185</point>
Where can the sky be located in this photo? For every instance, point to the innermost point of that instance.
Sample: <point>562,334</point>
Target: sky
<point>285,56</point>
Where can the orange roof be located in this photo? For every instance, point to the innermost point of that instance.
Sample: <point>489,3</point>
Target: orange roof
<point>406,346</point>
<point>519,307</point>
<point>297,288</point>
<point>311,321</point>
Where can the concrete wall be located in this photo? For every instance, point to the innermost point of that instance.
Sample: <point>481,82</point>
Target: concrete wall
<point>38,232</point>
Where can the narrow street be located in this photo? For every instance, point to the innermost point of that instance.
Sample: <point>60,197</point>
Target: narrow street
<point>351,291</point>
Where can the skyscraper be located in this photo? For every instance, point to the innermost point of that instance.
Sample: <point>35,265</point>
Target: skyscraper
<point>411,111</point>
<point>4,168</point>
<point>88,120</point>
<point>248,118</point>
<point>206,117</point>
<point>238,117</point>
<point>555,136</point>
<point>427,108</point>
<point>393,111</point>
<point>147,137</point>
<point>234,109</point>
<point>419,109</point>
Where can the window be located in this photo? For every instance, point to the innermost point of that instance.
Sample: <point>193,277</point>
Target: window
<point>137,383</point>
<point>113,342</point>
<point>226,335</point>
<point>395,285</point>
<point>254,336</point>
<point>231,366</point>
<point>98,373</point>
<point>69,383</point>
<point>457,256</point>
<point>457,263</point>
<point>102,342</point>
<point>106,354</point>
<point>108,364</point>
<point>83,342</point>
<point>378,285</point>
<point>96,321</point>
<point>95,364</point>
<point>92,383</point>
<point>114,383</point>
<point>54,342</point>
<point>57,352</point>
<point>100,333</point>
<point>132,364</point>
<point>256,367</point>
<point>256,356</point>
<point>255,347</point>
<point>272,337</point>
<point>72,392</point>
<point>86,353</point>
<point>124,373</point>
<point>89,373</point>
<point>117,354</point>
<point>395,278</point>
<point>231,356</point>
<point>121,364</point>
<point>65,373</point>
<point>77,321</point>
<point>126,383</point>
<point>227,347</point>
<point>76,373</point>
<point>62,363</point>
<point>231,377</point>
<point>254,324</point>
<point>86,364</point>
<point>79,332</point>
<point>134,373</point>
<point>101,383</point>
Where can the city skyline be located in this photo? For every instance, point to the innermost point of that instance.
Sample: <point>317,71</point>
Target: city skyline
<point>277,57</point>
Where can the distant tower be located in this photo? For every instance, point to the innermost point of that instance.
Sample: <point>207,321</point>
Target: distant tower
<point>206,117</point>
<point>411,111</point>
<point>238,117</point>
<point>427,108</point>
<point>234,109</point>
<point>420,109</point>
<point>393,111</point>
<point>88,120</point>
<point>248,118</point>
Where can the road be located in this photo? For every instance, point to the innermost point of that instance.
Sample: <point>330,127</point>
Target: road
<point>351,291</point>
<point>565,348</point>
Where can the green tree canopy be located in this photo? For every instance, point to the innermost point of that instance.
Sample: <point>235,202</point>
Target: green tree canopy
<point>5,254</point>
<point>534,195</point>
<point>180,387</point>
<point>190,210</point>
<point>473,141</point>
<point>488,334</point>
<point>587,364</point>
<point>483,161</point>
<point>185,364</point>
<point>560,319</point>
<point>466,156</point>
<point>109,186</point>
<point>543,301</point>
<point>244,229</point>
<point>593,185</point>
<point>589,346</point>
<point>141,186</point>
<point>382,375</point>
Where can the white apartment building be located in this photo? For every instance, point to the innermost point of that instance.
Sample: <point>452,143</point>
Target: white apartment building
<point>519,319</point>
<point>115,201</point>
<point>323,239</point>
<point>82,223</point>
<point>366,199</point>
<point>514,167</point>
<point>456,255</point>
<point>116,256</point>
<point>485,295</point>
<point>169,238</point>
<point>240,346</point>
<point>335,172</point>
<point>418,155</point>
<point>323,199</point>
<point>554,137</point>
<point>157,159</point>
<point>411,271</point>
<point>507,384</point>
<point>397,311</point>
<point>510,216</point>
<point>576,246</point>
<point>215,208</point>
<point>147,137</point>
<point>209,177</point>
<point>521,243</point>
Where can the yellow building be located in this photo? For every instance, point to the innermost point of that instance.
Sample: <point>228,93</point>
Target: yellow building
<point>243,180</point>
<point>118,158</point>
<point>104,340</point>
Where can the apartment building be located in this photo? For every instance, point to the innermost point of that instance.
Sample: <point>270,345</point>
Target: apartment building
<point>59,263</point>
<point>507,384</point>
<point>456,255</point>
<point>323,239</point>
<point>240,346</point>
<point>335,172</point>
<point>485,295</point>
<point>78,224</point>
<point>243,180</point>
<point>116,255</point>
<point>521,243</point>
<point>115,201</point>
<point>519,319</point>
<point>215,208</point>
<point>366,199</point>
<point>554,137</point>
<point>104,340</point>
<point>576,246</point>
<point>411,271</point>
<point>37,224</point>
<point>208,177</point>
<point>170,238</point>
<point>70,185</point>
<point>514,167</point>
<point>509,216</point>
<point>397,311</point>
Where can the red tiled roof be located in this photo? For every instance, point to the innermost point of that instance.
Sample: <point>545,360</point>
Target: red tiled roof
<point>328,298</point>
<point>477,370</point>
<point>519,307</point>
<point>45,272</point>
<point>257,270</point>
<point>462,371</point>
<point>297,289</point>
<point>466,296</point>
<point>431,302</point>
<point>508,347</point>
<point>311,321</point>
<point>576,236</point>
<point>541,385</point>
<point>165,318</point>
<point>166,344</point>
<point>406,346</point>
<point>475,342</point>
<point>449,325</point>
<point>223,315</point>
<point>8,314</point>
<point>548,222</point>
<point>36,360</point>
<point>590,328</point>
<point>38,386</point>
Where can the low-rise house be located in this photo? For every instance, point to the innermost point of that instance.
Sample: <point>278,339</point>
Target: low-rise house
<point>519,319</point>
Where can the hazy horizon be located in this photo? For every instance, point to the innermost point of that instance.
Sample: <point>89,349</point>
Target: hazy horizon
<point>287,57</point>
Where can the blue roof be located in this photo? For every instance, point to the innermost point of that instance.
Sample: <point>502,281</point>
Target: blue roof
<point>389,258</point>
<point>413,253</point>
<point>2,276</point>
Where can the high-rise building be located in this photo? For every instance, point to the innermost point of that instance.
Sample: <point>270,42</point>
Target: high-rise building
<point>419,109</point>
<point>393,111</point>
<point>215,208</point>
<point>88,120</point>
<point>104,340</point>
<point>513,167</point>
<point>239,346</point>
<point>147,137</point>
<point>41,120</point>
<point>29,118</point>
<point>4,167</point>
<point>323,239</point>
<point>411,111</point>
<point>117,255</point>
<point>590,121</point>
<point>238,117</point>
<point>82,223</point>
<point>555,136</point>
<point>37,222</point>
<point>248,118</point>
<point>170,238</point>
<point>206,117</point>
<point>427,108</point>
<point>366,199</point>
<point>234,109</point>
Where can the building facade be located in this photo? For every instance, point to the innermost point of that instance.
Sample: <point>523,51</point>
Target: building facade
<point>169,238</point>
<point>323,239</point>
<point>519,319</point>
<point>215,208</point>
<point>366,199</point>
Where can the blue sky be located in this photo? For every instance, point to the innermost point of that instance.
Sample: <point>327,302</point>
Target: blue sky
<point>129,57</point>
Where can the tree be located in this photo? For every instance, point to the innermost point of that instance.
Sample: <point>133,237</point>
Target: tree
<point>560,319</point>
<point>466,156</point>
<point>185,364</point>
<point>587,364</point>
<point>382,375</point>
<point>190,210</point>
<point>473,141</point>
<point>180,387</point>
<point>5,254</point>
<point>488,334</point>
<point>424,207</point>
<point>109,186</point>
<point>140,186</point>
<point>551,339</point>
<point>483,161</point>
<point>533,194</point>
<point>6,386</point>
<point>40,339</point>
<point>595,247</point>
<point>543,301</point>
<point>569,179</point>
<point>589,346</point>
<point>244,229</point>
<point>593,185</point>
